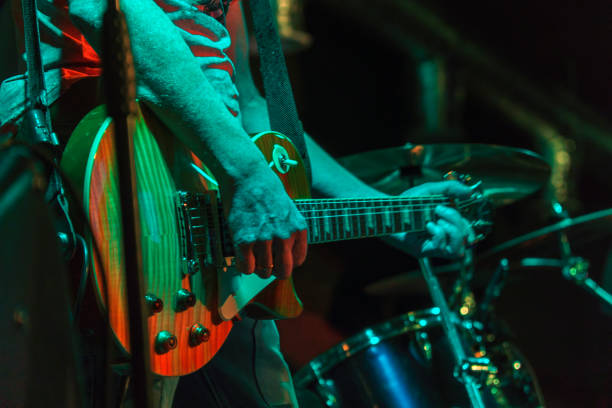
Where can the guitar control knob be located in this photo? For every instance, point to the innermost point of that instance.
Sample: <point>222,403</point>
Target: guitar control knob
<point>198,335</point>
<point>154,304</point>
<point>164,342</point>
<point>184,300</point>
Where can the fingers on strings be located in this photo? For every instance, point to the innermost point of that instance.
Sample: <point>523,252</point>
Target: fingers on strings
<point>273,257</point>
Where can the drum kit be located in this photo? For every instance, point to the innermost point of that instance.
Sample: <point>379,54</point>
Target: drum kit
<point>454,354</point>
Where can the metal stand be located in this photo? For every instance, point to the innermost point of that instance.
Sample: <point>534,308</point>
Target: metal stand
<point>463,363</point>
<point>120,88</point>
<point>573,268</point>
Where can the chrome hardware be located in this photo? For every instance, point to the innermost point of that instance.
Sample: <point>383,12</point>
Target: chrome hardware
<point>184,300</point>
<point>198,334</point>
<point>475,367</point>
<point>424,345</point>
<point>326,389</point>
<point>576,268</point>
<point>202,231</point>
<point>190,266</point>
<point>154,304</point>
<point>164,342</point>
<point>281,160</point>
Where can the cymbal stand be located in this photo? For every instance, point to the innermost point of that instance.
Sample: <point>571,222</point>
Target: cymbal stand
<point>575,268</point>
<point>493,290</point>
<point>461,290</point>
<point>465,366</point>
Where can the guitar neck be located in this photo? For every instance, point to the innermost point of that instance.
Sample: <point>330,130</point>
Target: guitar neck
<point>331,220</point>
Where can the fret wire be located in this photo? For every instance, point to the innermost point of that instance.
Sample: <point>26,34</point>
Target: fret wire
<point>345,230</point>
<point>414,216</point>
<point>340,222</point>
<point>358,218</point>
<point>363,236</point>
<point>374,218</point>
<point>315,224</point>
<point>328,223</point>
<point>321,225</point>
<point>393,220</point>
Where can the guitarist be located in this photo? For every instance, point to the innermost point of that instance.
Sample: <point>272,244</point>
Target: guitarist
<point>191,61</point>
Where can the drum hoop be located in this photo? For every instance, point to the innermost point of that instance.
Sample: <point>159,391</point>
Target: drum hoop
<point>368,337</point>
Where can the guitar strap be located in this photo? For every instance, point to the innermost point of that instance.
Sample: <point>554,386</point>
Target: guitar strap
<point>279,96</point>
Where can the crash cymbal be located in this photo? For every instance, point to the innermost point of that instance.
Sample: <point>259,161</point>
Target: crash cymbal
<point>581,231</point>
<point>507,173</point>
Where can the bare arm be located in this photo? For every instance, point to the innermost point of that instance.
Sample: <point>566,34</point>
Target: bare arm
<point>329,179</point>
<point>172,82</point>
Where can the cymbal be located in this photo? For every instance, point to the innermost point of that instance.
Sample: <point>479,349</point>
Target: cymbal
<point>580,231</point>
<point>408,283</point>
<point>507,173</point>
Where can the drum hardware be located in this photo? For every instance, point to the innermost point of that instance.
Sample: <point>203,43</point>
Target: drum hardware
<point>506,175</point>
<point>557,238</point>
<point>494,287</point>
<point>424,345</point>
<point>480,367</point>
<point>575,268</point>
<point>461,297</point>
<point>459,354</point>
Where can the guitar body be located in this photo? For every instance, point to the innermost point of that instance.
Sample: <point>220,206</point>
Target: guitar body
<point>164,167</point>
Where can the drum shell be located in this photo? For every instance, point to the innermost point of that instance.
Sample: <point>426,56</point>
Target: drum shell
<point>406,362</point>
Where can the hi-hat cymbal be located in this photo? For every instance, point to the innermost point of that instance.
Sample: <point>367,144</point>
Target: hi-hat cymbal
<point>507,173</point>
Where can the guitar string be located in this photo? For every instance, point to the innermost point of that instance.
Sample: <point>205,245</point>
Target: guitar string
<point>366,200</point>
<point>340,211</point>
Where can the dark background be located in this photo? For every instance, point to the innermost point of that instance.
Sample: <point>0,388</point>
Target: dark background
<point>356,91</point>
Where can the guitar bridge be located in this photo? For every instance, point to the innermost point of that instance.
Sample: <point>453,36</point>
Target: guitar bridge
<point>202,240</point>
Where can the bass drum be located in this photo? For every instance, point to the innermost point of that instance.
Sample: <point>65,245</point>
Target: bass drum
<point>406,362</point>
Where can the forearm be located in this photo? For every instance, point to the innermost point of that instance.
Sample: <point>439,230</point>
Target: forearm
<point>173,84</point>
<point>330,179</point>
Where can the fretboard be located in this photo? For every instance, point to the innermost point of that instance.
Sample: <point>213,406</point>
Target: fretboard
<point>343,219</point>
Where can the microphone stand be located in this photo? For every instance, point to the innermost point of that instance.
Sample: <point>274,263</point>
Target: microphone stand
<point>37,131</point>
<point>120,88</point>
<point>464,365</point>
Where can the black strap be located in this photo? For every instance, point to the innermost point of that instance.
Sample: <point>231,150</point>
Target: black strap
<point>279,96</point>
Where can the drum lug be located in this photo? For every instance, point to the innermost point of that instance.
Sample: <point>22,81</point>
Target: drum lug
<point>478,368</point>
<point>423,345</point>
<point>327,391</point>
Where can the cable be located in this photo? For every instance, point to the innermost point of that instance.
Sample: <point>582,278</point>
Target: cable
<point>76,308</point>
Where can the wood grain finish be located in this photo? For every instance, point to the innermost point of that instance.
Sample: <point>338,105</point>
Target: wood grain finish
<point>162,264</point>
<point>279,300</point>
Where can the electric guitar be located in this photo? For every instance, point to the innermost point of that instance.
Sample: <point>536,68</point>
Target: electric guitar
<point>192,289</point>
